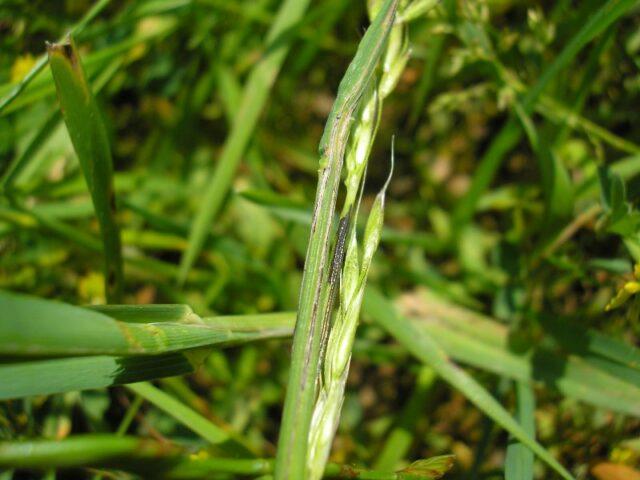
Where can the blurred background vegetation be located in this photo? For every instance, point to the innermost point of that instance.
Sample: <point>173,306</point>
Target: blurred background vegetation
<point>512,203</point>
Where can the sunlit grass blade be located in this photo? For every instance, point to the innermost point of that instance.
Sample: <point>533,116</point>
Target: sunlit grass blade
<point>518,464</point>
<point>423,347</point>
<point>479,341</point>
<point>33,327</point>
<point>255,94</point>
<point>511,133</point>
<point>91,143</point>
<point>301,390</point>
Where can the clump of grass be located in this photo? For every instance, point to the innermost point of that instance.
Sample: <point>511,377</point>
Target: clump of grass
<point>518,292</point>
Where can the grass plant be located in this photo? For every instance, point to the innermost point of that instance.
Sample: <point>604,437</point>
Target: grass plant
<point>191,288</point>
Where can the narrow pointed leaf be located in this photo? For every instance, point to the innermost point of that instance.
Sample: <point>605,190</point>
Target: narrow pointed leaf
<point>91,143</point>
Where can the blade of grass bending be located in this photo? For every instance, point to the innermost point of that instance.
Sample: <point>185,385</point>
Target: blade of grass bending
<point>145,456</point>
<point>42,61</point>
<point>511,133</point>
<point>476,340</point>
<point>90,141</point>
<point>423,347</point>
<point>31,326</point>
<point>519,462</point>
<point>254,97</point>
<point>191,419</point>
<point>301,389</point>
<point>57,375</point>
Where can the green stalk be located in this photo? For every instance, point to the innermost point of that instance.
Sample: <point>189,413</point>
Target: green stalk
<point>301,390</point>
<point>90,141</point>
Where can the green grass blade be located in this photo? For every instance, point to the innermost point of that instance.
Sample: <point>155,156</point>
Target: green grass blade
<point>161,460</point>
<point>301,390</point>
<point>519,462</point>
<point>22,378</point>
<point>141,265</point>
<point>31,326</point>
<point>190,419</point>
<point>91,143</point>
<point>88,450</point>
<point>254,97</point>
<point>510,134</point>
<point>478,341</point>
<point>422,346</point>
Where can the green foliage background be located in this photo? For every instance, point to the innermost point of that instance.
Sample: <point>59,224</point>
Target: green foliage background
<point>511,219</point>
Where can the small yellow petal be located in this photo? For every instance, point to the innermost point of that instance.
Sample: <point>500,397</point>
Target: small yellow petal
<point>21,66</point>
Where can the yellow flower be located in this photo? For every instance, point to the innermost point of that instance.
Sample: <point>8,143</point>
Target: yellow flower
<point>21,67</point>
<point>626,292</point>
